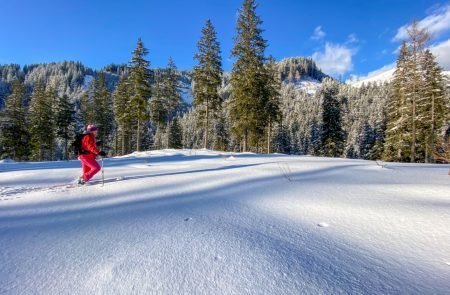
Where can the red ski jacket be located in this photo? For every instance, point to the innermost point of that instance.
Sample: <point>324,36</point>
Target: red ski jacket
<point>88,144</point>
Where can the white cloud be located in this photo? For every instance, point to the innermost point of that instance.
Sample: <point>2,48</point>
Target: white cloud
<point>436,23</point>
<point>442,53</point>
<point>318,33</point>
<point>336,60</point>
<point>352,39</point>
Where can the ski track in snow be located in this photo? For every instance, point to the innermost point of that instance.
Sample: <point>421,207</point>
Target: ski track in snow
<point>202,222</point>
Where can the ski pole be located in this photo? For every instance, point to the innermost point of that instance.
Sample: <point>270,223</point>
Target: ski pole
<point>103,174</point>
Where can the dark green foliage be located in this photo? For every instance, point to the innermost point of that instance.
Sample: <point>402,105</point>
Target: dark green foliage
<point>14,135</point>
<point>103,116</point>
<point>140,89</point>
<point>248,79</point>
<point>175,140</point>
<point>42,129</point>
<point>64,121</point>
<point>207,78</point>
<point>123,116</point>
<point>332,134</point>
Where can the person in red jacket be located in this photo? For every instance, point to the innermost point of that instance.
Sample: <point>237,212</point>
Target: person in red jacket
<point>89,152</point>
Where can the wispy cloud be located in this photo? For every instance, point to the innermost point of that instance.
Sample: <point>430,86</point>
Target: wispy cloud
<point>442,53</point>
<point>435,23</point>
<point>352,39</point>
<point>318,33</point>
<point>336,59</point>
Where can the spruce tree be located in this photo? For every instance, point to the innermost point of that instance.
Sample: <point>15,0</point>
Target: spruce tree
<point>122,113</point>
<point>103,109</point>
<point>63,120</point>
<point>140,88</point>
<point>41,124</point>
<point>248,78</point>
<point>398,130</point>
<point>207,77</point>
<point>159,109</point>
<point>175,136</point>
<point>272,109</point>
<point>418,39</point>
<point>432,106</point>
<point>171,89</point>
<point>332,134</point>
<point>14,135</point>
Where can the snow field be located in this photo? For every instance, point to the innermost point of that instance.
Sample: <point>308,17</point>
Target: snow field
<point>202,222</point>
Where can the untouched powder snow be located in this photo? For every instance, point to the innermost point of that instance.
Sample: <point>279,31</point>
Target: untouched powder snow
<point>201,222</point>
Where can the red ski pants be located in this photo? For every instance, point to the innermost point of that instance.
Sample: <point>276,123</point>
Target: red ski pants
<point>90,166</point>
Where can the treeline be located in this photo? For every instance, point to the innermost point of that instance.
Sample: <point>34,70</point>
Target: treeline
<point>258,107</point>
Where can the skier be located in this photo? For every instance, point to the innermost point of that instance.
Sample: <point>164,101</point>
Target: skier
<point>89,151</point>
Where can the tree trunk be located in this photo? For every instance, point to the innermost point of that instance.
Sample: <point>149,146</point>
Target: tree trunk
<point>433,126</point>
<point>123,141</point>
<point>206,126</point>
<point>138,137</point>
<point>268,138</point>
<point>244,149</point>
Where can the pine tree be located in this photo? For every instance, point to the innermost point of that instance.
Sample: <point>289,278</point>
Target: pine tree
<point>175,136</point>
<point>249,96</point>
<point>64,116</point>
<point>397,132</point>
<point>418,39</point>
<point>207,77</point>
<point>273,88</point>
<point>14,136</point>
<point>171,88</point>
<point>41,124</point>
<point>103,109</point>
<point>141,91</point>
<point>122,113</point>
<point>158,103</point>
<point>432,106</point>
<point>332,134</point>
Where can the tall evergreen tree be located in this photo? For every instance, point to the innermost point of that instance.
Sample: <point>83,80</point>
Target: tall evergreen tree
<point>171,88</point>
<point>103,109</point>
<point>64,115</point>
<point>418,38</point>
<point>175,136</point>
<point>122,113</point>
<point>159,109</point>
<point>432,105</point>
<point>332,134</point>
<point>207,77</point>
<point>14,136</point>
<point>273,88</point>
<point>248,78</point>
<point>398,130</point>
<point>141,92</point>
<point>41,124</point>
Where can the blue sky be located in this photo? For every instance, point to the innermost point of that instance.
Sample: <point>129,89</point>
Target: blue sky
<point>345,37</point>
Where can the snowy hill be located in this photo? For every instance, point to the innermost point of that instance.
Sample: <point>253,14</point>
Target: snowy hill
<point>380,77</point>
<point>201,222</point>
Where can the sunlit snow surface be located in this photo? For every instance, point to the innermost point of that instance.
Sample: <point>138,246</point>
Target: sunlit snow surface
<point>203,222</point>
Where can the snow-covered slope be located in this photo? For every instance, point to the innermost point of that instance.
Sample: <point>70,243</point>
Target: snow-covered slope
<point>200,222</point>
<point>380,77</point>
<point>307,84</point>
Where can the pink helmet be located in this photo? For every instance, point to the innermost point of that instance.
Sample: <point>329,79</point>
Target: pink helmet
<point>91,128</point>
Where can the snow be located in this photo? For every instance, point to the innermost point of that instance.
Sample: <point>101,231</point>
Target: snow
<point>380,76</point>
<point>204,222</point>
<point>309,85</point>
<point>87,81</point>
